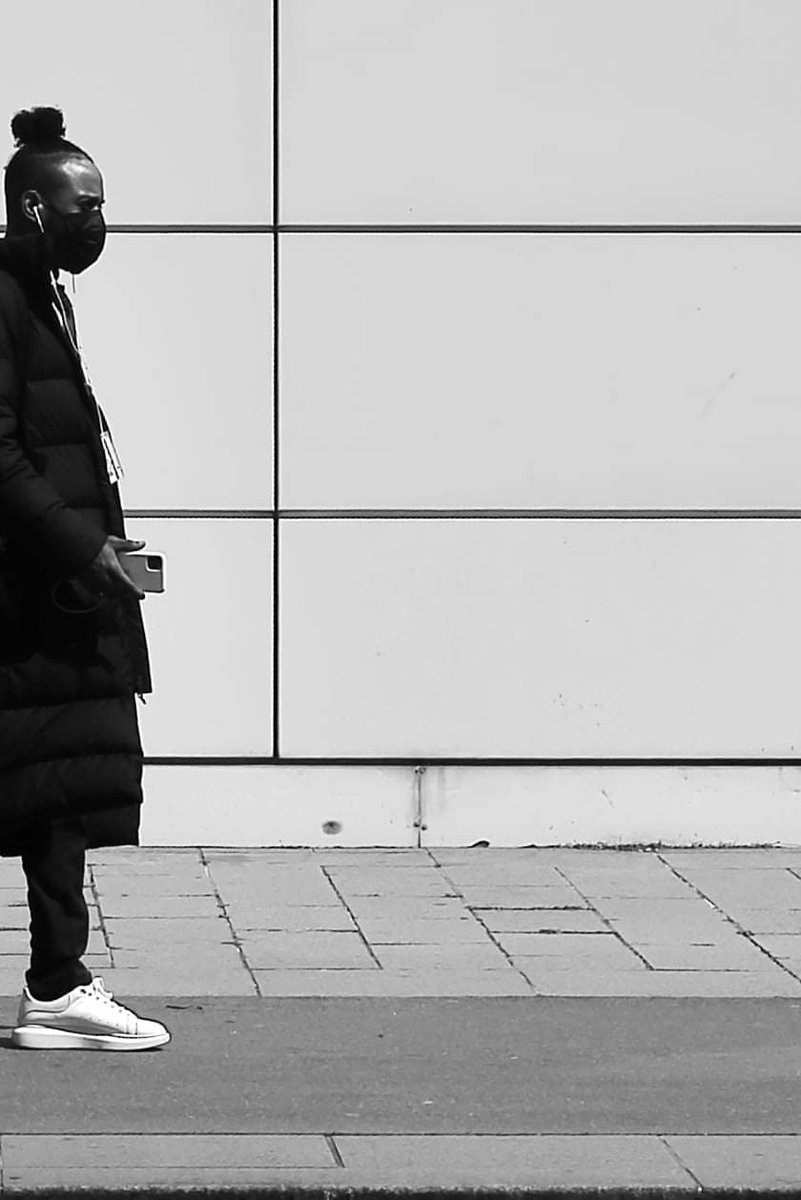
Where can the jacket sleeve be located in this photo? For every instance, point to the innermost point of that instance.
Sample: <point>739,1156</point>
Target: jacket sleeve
<point>31,510</point>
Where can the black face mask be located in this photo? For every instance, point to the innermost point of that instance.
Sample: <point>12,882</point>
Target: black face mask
<point>77,239</point>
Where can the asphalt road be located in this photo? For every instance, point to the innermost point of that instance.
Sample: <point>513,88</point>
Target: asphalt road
<point>421,1065</point>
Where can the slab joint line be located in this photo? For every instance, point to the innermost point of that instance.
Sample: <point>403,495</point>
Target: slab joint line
<point>352,916</point>
<point>674,1154</point>
<point>101,917</point>
<point>224,911</point>
<point>334,1148</point>
<point>615,932</point>
<point>721,912</point>
<point>518,970</point>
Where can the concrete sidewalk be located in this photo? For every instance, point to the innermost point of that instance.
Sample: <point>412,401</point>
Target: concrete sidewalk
<point>479,1019</point>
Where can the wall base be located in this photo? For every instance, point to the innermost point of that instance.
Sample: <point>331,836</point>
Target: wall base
<point>329,806</point>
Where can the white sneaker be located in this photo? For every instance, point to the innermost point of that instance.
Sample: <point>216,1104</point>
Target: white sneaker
<point>87,1018</point>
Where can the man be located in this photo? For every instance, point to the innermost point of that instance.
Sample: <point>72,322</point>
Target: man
<point>73,653</point>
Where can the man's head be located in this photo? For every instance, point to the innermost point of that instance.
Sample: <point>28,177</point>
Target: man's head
<point>54,190</point>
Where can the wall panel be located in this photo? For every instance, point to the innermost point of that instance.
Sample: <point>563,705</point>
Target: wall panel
<point>279,805</point>
<point>177,332</point>
<point>539,111</point>
<point>210,638</point>
<point>172,99</point>
<point>532,370</point>
<point>369,805</point>
<point>612,805</point>
<point>540,638</point>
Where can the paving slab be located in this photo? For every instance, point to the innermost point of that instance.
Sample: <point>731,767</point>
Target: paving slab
<point>509,1162</point>
<point>173,932</point>
<point>430,907</point>
<point>613,885</point>
<point>741,1162</point>
<point>413,871</point>
<point>12,971</point>
<point>162,867</point>
<point>734,857</point>
<point>15,918</point>
<point>599,950</point>
<point>430,981</point>
<point>555,978</point>
<point>102,1183</point>
<point>470,955</point>
<point>393,883</point>
<point>294,892</point>
<point>400,856</point>
<point>515,896</point>
<point>181,953</point>
<point>17,941</point>
<point>663,907</point>
<point>313,950</point>
<point>543,966</point>
<point>295,918</point>
<point>117,885</point>
<point>299,906</point>
<point>279,854</point>
<point>14,941</point>
<point>461,931</point>
<point>275,881</point>
<point>181,956</point>
<point>776,920</point>
<point>124,1150</point>
<point>417,1066</point>
<point>781,945</point>
<point>155,905</point>
<point>596,856</point>
<point>500,874</point>
<point>749,887</point>
<point>136,978</point>
<point>738,914</point>
<point>533,920</point>
<point>674,927</point>
<point>683,956</point>
<point>680,915</point>
<point>265,869</point>
<point>147,853</point>
<point>202,962</point>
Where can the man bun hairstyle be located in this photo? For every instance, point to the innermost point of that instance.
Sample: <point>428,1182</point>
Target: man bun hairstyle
<point>41,147</point>
<point>38,126</point>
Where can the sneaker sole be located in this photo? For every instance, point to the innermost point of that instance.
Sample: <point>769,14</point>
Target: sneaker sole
<point>31,1037</point>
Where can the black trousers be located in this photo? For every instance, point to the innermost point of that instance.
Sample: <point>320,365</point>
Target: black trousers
<point>54,868</point>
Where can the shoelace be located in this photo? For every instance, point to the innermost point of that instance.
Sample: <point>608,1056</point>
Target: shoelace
<point>98,989</point>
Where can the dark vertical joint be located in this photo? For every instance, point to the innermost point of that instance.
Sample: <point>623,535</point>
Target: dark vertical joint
<point>276,751</point>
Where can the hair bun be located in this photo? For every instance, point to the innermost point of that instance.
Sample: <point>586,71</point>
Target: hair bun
<point>38,125</point>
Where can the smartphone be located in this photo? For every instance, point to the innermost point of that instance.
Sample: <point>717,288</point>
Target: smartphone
<point>146,570</point>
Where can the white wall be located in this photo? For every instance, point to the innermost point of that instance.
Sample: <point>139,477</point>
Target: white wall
<point>539,111</point>
<point>539,485</point>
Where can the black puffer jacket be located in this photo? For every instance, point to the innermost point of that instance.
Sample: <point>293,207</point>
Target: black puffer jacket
<point>69,737</point>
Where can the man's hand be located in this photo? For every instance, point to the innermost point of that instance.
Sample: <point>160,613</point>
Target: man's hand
<point>105,574</point>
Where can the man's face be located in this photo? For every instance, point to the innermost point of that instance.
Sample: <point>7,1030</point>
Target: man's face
<point>67,208</point>
<point>77,186</point>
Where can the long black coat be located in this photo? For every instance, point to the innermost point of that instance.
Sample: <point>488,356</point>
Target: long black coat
<point>69,736</point>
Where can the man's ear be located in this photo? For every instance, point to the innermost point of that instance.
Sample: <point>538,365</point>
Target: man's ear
<point>31,203</point>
